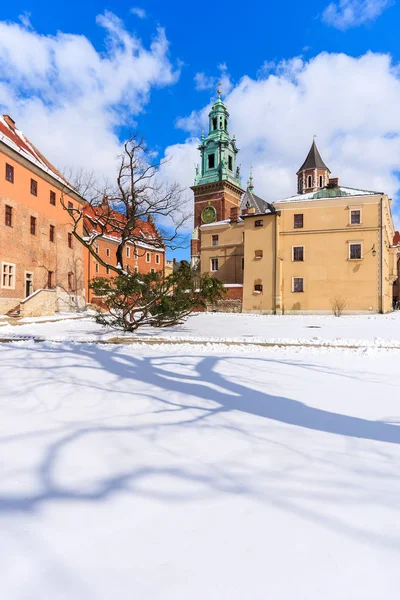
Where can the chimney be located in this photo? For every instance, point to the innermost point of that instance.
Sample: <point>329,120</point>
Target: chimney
<point>150,220</point>
<point>104,202</point>
<point>234,214</point>
<point>10,122</point>
<point>333,182</point>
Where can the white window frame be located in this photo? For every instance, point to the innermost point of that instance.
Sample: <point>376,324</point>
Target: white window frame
<point>304,254</point>
<point>293,290</point>
<point>152,270</point>
<point>355,209</point>
<point>148,257</point>
<point>309,181</point>
<point>135,253</point>
<point>215,258</point>
<point>355,243</point>
<point>157,259</point>
<point>14,275</point>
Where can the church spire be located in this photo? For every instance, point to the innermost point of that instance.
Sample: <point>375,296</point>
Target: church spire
<point>250,185</point>
<point>218,150</point>
<point>313,174</point>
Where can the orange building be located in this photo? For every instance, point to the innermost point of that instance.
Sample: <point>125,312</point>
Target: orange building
<point>41,263</point>
<point>146,254</point>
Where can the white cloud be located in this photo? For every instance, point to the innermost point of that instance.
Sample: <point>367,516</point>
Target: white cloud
<point>351,104</point>
<point>352,13</point>
<point>139,12</point>
<point>69,98</point>
<point>208,82</point>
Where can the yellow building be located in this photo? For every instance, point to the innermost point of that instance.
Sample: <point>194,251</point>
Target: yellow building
<point>327,248</point>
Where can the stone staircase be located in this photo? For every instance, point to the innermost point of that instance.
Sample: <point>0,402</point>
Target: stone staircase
<point>15,312</point>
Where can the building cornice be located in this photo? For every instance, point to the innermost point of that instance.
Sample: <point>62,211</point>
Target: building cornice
<point>215,186</point>
<point>28,164</point>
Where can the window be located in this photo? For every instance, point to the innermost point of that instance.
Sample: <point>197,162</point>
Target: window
<point>258,254</point>
<point>157,259</point>
<point>230,163</point>
<point>298,253</point>
<point>52,198</point>
<point>242,263</point>
<point>70,240</point>
<point>148,257</point>
<point>320,181</point>
<point>355,217</point>
<point>33,225</point>
<point>96,249</point>
<point>107,270</point>
<point>136,269</point>
<point>128,252</point>
<point>70,205</point>
<point>96,266</point>
<point>50,279</point>
<point>298,285</point>
<point>9,173</point>
<point>355,252</point>
<point>51,233</point>
<point>214,264</point>
<point>107,252</point>
<point>258,287</point>
<point>214,123</point>
<point>8,275</point>
<point>298,221</point>
<point>211,161</point>
<point>152,271</point>
<point>309,181</point>
<point>136,253</point>
<point>33,187</point>
<point>242,236</point>
<point>70,282</point>
<point>8,216</point>
<point>214,240</point>
<point>258,223</point>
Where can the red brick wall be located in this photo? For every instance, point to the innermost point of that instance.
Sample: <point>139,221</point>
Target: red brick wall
<point>35,254</point>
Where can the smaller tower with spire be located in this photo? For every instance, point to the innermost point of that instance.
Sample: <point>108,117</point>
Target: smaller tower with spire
<point>313,174</point>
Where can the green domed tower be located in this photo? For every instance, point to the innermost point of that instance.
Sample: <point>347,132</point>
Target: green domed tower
<point>217,189</point>
<point>218,150</point>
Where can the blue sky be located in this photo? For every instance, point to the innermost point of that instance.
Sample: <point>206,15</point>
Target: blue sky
<point>266,54</point>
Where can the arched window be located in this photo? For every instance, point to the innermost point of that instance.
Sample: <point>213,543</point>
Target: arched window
<point>320,181</point>
<point>309,181</point>
<point>226,124</point>
<point>214,122</point>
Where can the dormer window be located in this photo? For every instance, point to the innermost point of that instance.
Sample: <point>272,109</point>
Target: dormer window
<point>211,161</point>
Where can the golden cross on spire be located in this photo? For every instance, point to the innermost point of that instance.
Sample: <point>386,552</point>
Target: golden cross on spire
<point>219,88</point>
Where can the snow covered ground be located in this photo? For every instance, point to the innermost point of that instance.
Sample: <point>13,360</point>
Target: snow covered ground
<point>215,472</point>
<point>372,330</point>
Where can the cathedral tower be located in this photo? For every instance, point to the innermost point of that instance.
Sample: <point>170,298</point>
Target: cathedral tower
<point>217,182</point>
<point>313,174</point>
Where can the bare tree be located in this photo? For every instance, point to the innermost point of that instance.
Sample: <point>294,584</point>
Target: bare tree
<point>117,210</point>
<point>338,304</point>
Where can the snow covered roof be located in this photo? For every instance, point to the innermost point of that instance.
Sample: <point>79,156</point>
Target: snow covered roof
<point>251,200</point>
<point>327,193</point>
<point>17,141</point>
<point>218,223</point>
